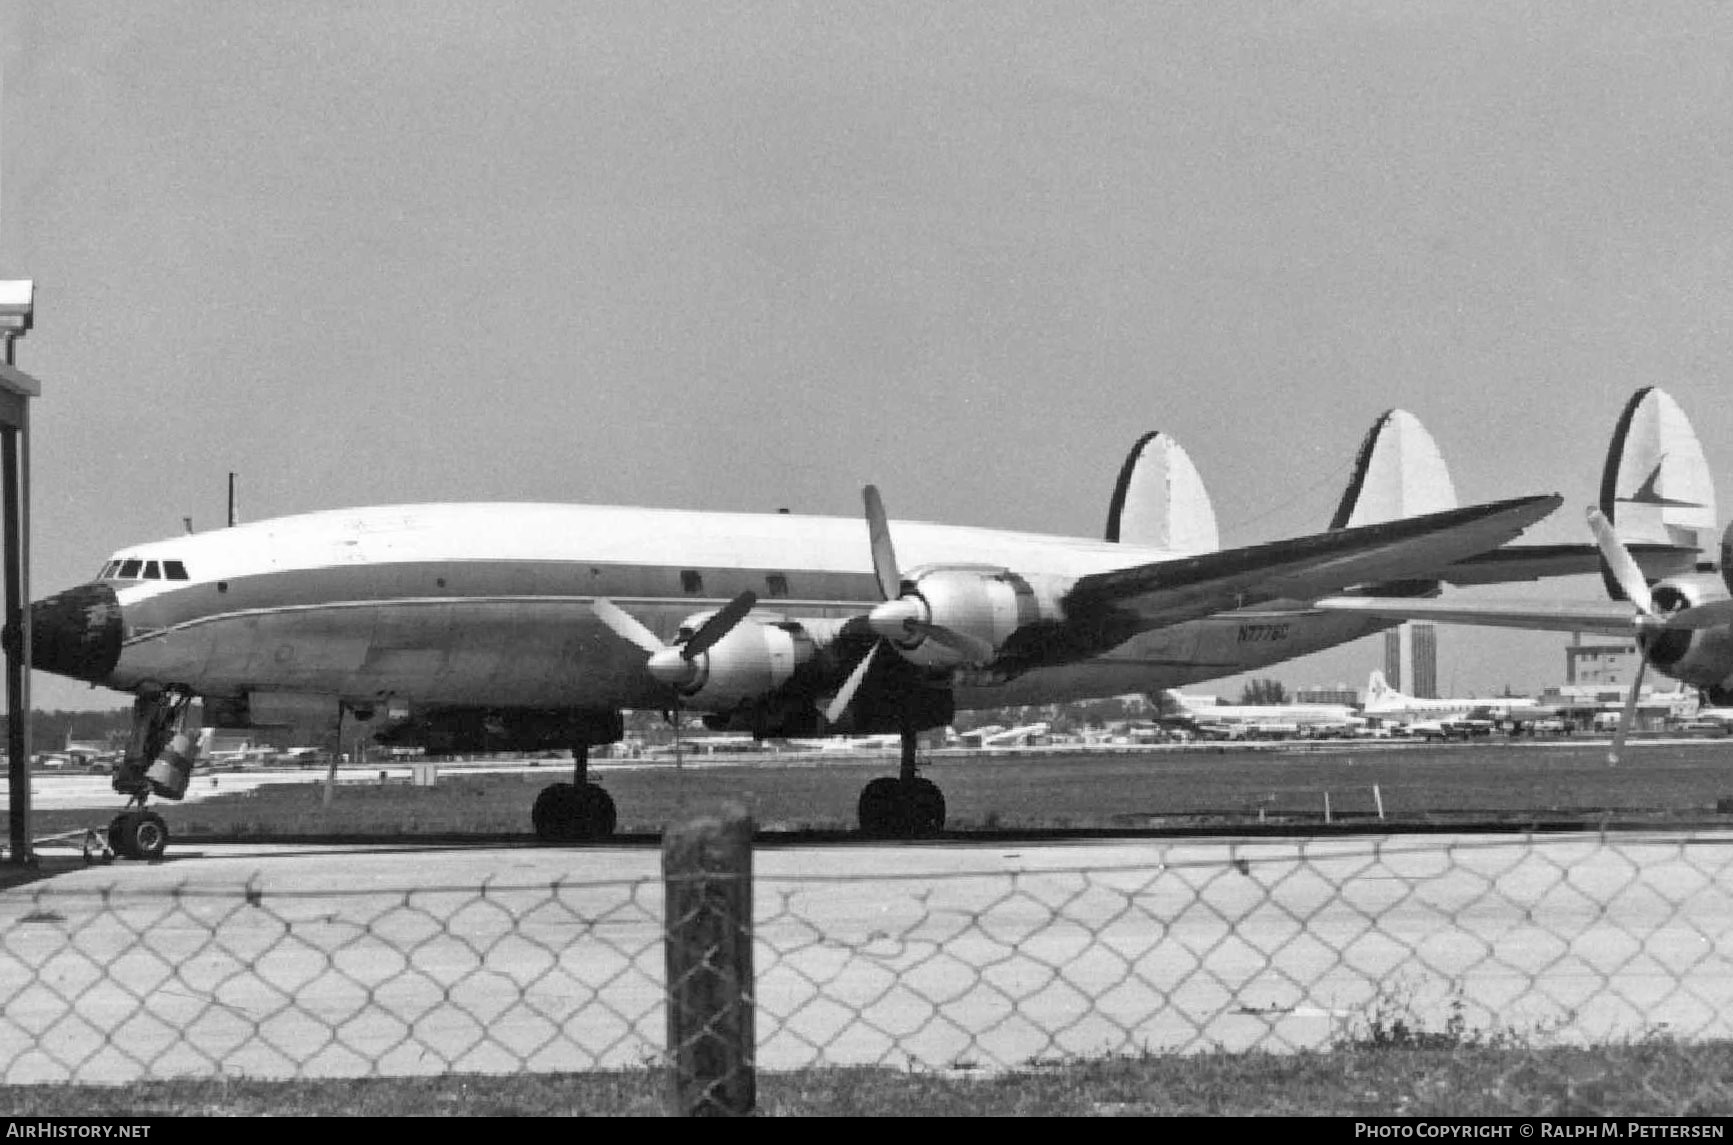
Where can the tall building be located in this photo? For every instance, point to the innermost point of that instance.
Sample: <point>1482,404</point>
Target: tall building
<point>1411,658</point>
<point>1425,660</point>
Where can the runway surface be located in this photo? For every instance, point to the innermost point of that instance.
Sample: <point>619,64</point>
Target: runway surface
<point>348,961</point>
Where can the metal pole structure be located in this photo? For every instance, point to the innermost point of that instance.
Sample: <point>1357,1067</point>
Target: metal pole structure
<point>15,459</point>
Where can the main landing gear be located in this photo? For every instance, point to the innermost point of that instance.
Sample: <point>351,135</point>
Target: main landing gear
<point>907,807</point>
<point>575,812</point>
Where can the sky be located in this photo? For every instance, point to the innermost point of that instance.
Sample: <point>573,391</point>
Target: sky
<point>753,256</point>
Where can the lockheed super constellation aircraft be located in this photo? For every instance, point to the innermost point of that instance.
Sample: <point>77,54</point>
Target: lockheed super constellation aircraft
<point>514,627</point>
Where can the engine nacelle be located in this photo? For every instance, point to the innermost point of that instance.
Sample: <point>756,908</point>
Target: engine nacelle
<point>1702,657</point>
<point>748,663</point>
<point>983,604</point>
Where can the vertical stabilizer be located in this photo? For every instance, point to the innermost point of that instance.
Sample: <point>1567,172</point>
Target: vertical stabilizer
<point>1169,703</point>
<point>1160,501</point>
<point>1379,694</point>
<point>1655,486</point>
<point>1398,473</point>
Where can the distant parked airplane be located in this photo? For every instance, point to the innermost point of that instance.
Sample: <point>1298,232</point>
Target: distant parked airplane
<point>1386,703</point>
<point>1204,715</point>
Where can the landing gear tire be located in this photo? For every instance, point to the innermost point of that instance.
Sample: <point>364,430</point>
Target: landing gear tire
<point>138,835</point>
<point>901,809</point>
<point>569,813</point>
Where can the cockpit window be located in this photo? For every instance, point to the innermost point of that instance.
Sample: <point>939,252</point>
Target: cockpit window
<point>137,568</point>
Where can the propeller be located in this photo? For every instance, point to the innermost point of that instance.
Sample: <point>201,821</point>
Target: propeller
<point>675,665</point>
<point>902,616</point>
<point>903,613</point>
<point>1647,620</point>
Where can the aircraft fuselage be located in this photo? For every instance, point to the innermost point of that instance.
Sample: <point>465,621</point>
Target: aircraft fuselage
<point>489,604</point>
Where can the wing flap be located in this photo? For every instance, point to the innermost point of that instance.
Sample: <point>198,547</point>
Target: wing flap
<point>1169,592</point>
<point>1535,562</point>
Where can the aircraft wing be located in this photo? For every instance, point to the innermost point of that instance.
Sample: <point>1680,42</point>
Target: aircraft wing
<point>1123,601</point>
<point>1534,562</point>
<point>1611,617</point>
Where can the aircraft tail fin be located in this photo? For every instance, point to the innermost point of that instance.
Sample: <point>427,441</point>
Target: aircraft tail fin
<point>1159,500</point>
<point>1398,473</point>
<point>1379,691</point>
<point>1655,486</point>
<point>1169,702</point>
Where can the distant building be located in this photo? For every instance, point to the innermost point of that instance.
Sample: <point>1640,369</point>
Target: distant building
<point>1426,660</point>
<point>1328,694</point>
<point>1411,659</point>
<point>1605,664</point>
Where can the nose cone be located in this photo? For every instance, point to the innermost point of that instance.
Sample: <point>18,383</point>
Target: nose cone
<point>75,633</point>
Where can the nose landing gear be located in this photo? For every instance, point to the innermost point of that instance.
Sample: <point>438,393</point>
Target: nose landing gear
<point>138,834</point>
<point>147,769</point>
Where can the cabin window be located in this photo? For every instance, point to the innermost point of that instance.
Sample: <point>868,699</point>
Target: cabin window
<point>152,571</point>
<point>691,581</point>
<point>174,570</point>
<point>107,570</point>
<point>129,569</point>
<point>776,583</point>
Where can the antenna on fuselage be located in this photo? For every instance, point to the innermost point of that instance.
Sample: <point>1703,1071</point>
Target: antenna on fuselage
<point>233,518</point>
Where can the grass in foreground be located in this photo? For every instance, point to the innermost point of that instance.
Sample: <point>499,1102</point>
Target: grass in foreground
<point>1507,783</point>
<point>1650,1078</point>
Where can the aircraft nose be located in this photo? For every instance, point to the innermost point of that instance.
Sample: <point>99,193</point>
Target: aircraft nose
<point>75,633</point>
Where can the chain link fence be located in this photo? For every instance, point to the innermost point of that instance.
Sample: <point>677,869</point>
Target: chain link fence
<point>1192,947</point>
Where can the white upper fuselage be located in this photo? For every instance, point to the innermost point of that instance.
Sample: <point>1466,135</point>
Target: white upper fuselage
<point>490,603</point>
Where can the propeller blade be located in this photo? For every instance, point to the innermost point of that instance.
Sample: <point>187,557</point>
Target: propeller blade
<point>850,686</point>
<point>977,650</point>
<point>884,554</point>
<point>1714,614</point>
<point>625,625</point>
<point>1625,716</point>
<point>720,624</point>
<point>1625,571</point>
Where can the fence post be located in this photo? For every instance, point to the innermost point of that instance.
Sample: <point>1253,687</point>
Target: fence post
<point>707,877</point>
